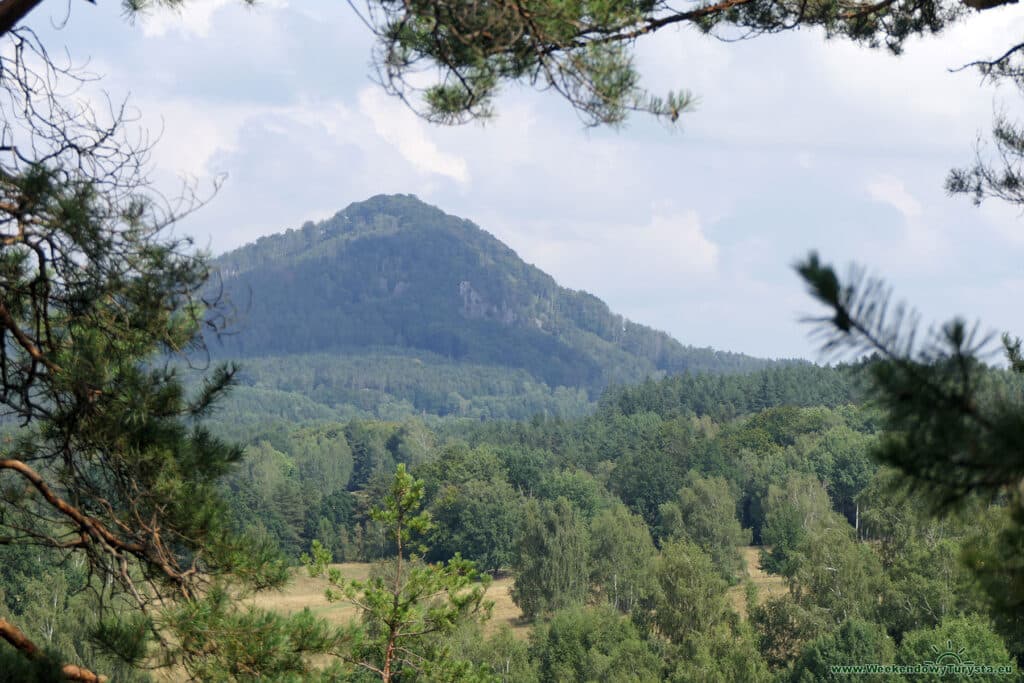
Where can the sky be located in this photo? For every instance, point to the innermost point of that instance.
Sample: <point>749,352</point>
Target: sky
<point>797,143</point>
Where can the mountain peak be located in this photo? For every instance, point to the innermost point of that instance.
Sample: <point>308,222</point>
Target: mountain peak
<point>395,272</point>
<point>398,205</point>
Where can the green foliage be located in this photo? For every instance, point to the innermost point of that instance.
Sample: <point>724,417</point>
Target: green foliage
<point>705,513</point>
<point>956,640</point>
<point>476,510</point>
<point>577,486</point>
<point>653,466</point>
<point>390,383</point>
<point>503,654</point>
<point>816,550</point>
<point>727,652</point>
<point>994,555</point>
<point>794,512</point>
<point>248,644</point>
<point>691,610</point>
<point>690,597</point>
<point>846,466</point>
<point>592,644</point>
<point>621,559</point>
<point>551,558</point>
<point>53,608</point>
<point>784,626</point>
<point>921,555</point>
<point>855,642</point>
<point>410,608</point>
<point>837,573</point>
<point>478,519</point>
<point>16,668</point>
<point>725,396</point>
<point>294,483</point>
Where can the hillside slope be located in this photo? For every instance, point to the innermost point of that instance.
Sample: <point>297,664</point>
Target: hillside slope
<point>395,275</point>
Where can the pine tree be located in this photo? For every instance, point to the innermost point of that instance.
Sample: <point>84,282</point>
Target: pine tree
<point>105,456</point>
<point>408,609</point>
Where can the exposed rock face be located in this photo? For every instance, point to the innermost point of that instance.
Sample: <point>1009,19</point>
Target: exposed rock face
<point>476,307</point>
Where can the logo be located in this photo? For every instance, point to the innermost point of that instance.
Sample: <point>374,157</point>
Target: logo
<point>951,661</point>
<point>950,658</point>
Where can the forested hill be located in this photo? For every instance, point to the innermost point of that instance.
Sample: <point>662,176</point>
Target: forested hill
<point>393,274</point>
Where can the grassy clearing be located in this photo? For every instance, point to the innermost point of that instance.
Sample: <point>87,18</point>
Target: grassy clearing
<point>768,585</point>
<point>304,591</point>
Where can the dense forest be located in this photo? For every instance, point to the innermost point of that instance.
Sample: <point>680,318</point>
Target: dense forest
<point>629,488</point>
<point>382,447</point>
<point>624,531</point>
<point>412,402</point>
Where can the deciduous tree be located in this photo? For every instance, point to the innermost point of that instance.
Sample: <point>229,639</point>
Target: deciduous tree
<point>705,512</point>
<point>551,558</point>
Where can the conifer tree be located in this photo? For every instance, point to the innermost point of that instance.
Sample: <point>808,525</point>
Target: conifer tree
<point>105,456</point>
<point>407,610</point>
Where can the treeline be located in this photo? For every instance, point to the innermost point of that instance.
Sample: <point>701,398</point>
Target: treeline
<point>724,397</point>
<point>392,384</point>
<point>639,458</point>
<point>395,384</point>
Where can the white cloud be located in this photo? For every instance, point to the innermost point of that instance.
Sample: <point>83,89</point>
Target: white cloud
<point>668,253</point>
<point>918,97</point>
<point>924,242</point>
<point>678,239</point>
<point>398,126</point>
<point>194,19</point>
<point>890,190</point>
<point>190,135</point>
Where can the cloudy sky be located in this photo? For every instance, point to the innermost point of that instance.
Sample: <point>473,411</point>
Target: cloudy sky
<point>796,144</point>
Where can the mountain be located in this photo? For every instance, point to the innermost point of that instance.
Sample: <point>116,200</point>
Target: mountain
<point>398,282</point>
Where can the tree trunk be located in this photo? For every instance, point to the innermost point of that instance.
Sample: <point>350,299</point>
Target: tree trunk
<point>13,11</point>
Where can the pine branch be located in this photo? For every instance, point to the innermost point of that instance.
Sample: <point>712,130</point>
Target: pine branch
<point>17,639</point>
<point>945,426</point>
